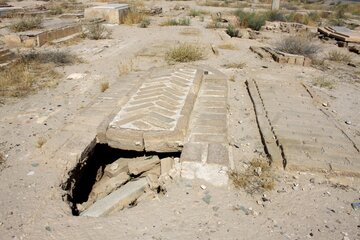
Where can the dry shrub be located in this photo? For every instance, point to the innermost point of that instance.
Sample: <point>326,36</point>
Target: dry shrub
<point>240,65</point>
<point>257,178</point>
<point>125,67</point>
<point>185,52</point>
<point>104,86</point>
<point>338,56</point>
<point>323,82</point>
<point>25,24</point>
<point>227,46</point>
<point>40,142</point>
<point>32,72</point>
<point>176,22</point>
<point>190,31</point>
<point>2,161</point>
<point>97,31</point>
<point>133,17</point>
<point>298,44</point>
<point>195,13</point>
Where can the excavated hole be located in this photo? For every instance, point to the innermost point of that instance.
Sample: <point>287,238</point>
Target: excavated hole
<point>90,170</point>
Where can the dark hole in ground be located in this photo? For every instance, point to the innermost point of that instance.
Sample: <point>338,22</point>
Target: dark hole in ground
<point>83,176</point>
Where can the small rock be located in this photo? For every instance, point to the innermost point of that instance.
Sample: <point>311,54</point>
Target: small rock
<point>348,122</point>
<point>140,165</point>
<point>258,171</point>
<point>312,180</point>
<point>166,165</point>
<point>207,198</point>
<point>325,104</point>
<point>153,181</point>
<point>80,207</point>
<point>355,205</point>
<point>30,173</point>
<point>203,187</point>
<point>48,228</point>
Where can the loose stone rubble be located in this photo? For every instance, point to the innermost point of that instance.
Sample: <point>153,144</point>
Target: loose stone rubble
<point>124,181</point>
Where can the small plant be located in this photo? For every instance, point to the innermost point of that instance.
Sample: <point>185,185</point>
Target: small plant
<point>232,31</point>
<point>275,16</point>
<point>56,10</point>
<point>184,52</point>
<point>338,56</point>
<point>240,65</point>
<point>227,46</point>
<point>195,13</point>
<point>125,67</point>
<point>144,23</point>
<point>104,86</point>
<point>252,20</point>
<point>56,57</point>
<point>323,82</point>
<point>33,71</point>
<point>177,22</point>
<point>40,142</point>
<point>2,161</point>
<point>26,24</point>
<point>133,17</point>
<point>257,178</point>
<point>97,31</point>
<point>298,44</point>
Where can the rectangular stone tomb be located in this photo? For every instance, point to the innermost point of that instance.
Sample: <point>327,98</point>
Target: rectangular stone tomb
<point>111,13</point>
<point>156,116</point>
<point>281,57</point>
<point>37,38</point>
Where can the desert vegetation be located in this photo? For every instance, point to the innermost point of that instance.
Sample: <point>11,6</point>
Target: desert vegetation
<point>26,23</point>
<point>33,71</point>
<point>298,44</point>
<point>185,52</point>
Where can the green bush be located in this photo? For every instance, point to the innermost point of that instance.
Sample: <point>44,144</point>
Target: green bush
<point>232,31</point>
<point>275,16</point>
<point>177,22</point>
<point>144,23</point>
<point>252,20</point>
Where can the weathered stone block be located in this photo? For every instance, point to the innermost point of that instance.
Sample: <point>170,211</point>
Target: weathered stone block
<point>111,13</point>
<point>126,139</point>
<point>218,153</point>
<point>166,165</point>
<point>192,152</point>
<point>142,164</point>
<point>117,199</point>
<point>153,181</point>
<point>117,167</point>
<point>106,185</point>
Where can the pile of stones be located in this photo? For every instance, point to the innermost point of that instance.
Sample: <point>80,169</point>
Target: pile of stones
<point>125,171</point>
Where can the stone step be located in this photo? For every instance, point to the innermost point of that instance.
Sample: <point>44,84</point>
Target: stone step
<point>117,200</point>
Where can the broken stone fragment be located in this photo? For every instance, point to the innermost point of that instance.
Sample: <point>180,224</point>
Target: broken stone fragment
<point>142,164</point>
<point>155,170</point>
<point>166,165</point>
<point>107,185</point>
<point>153,181</point>
<point>115,168</point>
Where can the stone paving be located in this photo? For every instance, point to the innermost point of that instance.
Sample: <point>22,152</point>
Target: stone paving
<point>206,153</point>
<point>297,134</point>
<point>156,116</point>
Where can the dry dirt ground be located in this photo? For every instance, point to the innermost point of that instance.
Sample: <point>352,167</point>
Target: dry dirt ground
<point>302,205</point>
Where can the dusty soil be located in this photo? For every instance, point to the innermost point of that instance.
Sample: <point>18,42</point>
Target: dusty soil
<point>302,205</point>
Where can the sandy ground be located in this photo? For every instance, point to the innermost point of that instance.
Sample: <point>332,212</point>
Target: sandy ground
<point>303,205</point>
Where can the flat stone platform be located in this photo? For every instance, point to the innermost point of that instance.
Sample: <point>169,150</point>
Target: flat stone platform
<point>298,134</point>
<point>156,115</point>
